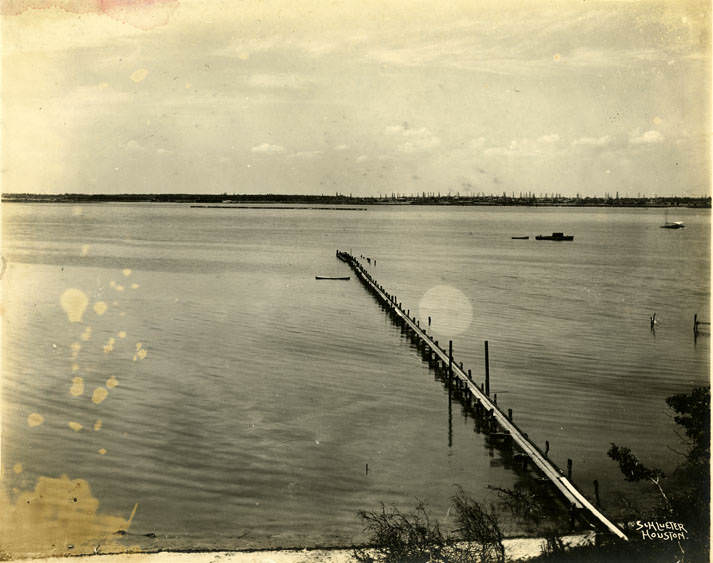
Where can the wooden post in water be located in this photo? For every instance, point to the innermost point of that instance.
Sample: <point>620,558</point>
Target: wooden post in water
<point>547,447</point>
<point>470,377</point>
<point>487,370</point>
<point>510,415</point>
<point>569,469</point>
<point>596,491</point>
<point>695,324</point>
<point>450,360</point>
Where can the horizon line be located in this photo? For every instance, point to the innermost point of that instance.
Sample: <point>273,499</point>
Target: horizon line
<point>393,195</point>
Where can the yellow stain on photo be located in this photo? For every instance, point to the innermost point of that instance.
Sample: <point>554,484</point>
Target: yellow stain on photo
<point>75,426</point>
<point>74,303</point>
<point>100,393</point>
<point>35,419</point>
<point>77,387</point>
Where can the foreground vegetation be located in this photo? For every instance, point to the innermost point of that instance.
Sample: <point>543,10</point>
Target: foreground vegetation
<point>683,501</point>
<point>415,537</point>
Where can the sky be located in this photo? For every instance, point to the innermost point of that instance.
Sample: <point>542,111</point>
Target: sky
<point>361,97</point>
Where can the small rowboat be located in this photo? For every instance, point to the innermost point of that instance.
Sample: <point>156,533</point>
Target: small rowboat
<point>346,278</point>
<point>521,238</point>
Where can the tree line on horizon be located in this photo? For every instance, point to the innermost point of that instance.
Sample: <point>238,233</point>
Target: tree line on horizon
<point>527,199</point>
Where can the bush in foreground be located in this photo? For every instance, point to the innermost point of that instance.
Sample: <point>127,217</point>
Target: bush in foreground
<point>398,536</point>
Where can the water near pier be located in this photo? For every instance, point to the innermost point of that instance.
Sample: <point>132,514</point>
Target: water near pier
<point>244,398</point>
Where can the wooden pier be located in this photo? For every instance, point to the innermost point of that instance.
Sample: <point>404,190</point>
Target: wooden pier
<point>480,397</point>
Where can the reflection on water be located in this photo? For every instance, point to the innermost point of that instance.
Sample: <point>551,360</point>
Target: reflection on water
<point>208,377</point>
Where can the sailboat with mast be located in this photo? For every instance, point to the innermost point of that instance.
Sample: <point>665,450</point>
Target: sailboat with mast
<point>673,225</point>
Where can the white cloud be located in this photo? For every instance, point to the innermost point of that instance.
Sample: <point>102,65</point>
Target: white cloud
<point>286,81</point>
<point>478,143</point>
<point>419,144</point>
<point>544,145</point>
<point>414,140</point>
<point>592,141</point>
<point>100,94</point>
<point>648,138</point>
<point>362,158</point>
<point>305,154</point>
<point>341,147</point>
<point>497,151</point>
<point>395,129</point>
<point>134,145</point>
<point>549,139</point>
<point>267,148</point>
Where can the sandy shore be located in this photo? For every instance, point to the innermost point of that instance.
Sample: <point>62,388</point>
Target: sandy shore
<point>516,549</point>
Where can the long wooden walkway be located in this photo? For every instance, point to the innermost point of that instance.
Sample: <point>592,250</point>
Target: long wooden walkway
<point>481,399</point>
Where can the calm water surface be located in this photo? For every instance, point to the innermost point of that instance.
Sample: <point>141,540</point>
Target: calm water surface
<point>263,394</point>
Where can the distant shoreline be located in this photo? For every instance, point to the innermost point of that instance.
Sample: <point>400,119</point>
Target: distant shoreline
<point>251,201</point>
<point>277,206</point>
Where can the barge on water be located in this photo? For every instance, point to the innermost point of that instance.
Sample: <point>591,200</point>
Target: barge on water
<point>555,236</point>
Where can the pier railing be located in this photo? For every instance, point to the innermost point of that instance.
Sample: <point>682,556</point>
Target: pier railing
<point>480,397</point>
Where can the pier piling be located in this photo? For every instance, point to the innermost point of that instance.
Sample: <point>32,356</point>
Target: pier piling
<point>696,323</point>
<point>487,370</point>
<point>450,360</point>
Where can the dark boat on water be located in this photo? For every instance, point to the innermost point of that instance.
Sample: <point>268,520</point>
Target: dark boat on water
<point>346,278</point>
<point>521,238</point>
<point>555,236</point>
<point>672,225</point>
